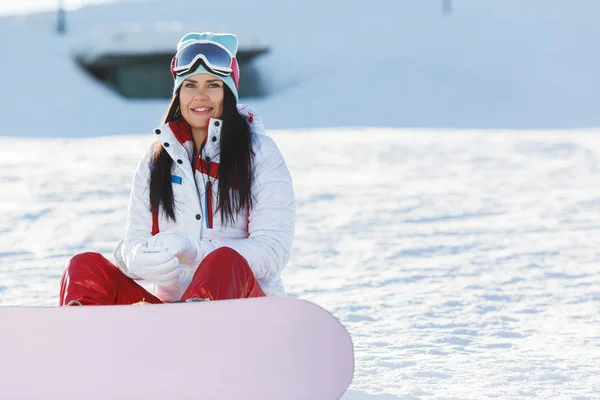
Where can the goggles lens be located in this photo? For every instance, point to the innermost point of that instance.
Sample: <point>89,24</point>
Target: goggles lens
<point>214,57</point>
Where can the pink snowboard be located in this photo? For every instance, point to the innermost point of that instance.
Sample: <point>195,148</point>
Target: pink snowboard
<point>263,348</point>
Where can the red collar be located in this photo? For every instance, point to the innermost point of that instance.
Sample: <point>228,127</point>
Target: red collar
<point>182,130</point>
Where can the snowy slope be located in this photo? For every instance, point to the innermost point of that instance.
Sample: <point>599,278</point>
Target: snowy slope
<point>492,64</point>
<point>464,265</point>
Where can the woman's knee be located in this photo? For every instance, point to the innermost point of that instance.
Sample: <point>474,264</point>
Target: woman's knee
<point>87,261</point>
<point>225,255</point>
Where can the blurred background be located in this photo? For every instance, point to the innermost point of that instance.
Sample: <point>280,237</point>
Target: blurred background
<point>97,67</point>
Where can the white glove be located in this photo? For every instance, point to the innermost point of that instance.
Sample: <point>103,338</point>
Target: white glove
<point>180,245</point>
<point>154,265</point>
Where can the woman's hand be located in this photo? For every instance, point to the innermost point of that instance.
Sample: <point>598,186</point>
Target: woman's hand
<point>178,244</point>
<point>154,265</point>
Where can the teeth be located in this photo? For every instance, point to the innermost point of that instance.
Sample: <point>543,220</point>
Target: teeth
<point>202,109</point>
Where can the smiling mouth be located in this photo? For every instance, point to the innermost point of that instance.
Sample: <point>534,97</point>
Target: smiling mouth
<point>202,110</point>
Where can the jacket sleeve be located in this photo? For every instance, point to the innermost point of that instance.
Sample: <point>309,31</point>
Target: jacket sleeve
<point>139,217</point>
<point>272,217</point>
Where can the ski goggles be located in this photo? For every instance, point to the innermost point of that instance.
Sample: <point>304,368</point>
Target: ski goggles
<point>213,56</point>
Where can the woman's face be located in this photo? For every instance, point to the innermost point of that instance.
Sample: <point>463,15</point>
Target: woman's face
<point>201,98</point>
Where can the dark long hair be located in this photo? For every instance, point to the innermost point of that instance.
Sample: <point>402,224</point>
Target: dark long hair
<point>235,169</point>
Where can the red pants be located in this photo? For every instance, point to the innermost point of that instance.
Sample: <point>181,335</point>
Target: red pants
<point>91,279</point>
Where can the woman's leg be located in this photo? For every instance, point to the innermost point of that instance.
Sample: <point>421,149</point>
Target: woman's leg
<point>223,274</point>
<point>90,279</point>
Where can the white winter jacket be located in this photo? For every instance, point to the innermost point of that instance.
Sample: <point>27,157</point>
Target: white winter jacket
<point>262,234</point>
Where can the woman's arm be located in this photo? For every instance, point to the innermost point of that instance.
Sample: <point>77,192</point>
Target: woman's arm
<point>139,217</point>
<point>272,217</point>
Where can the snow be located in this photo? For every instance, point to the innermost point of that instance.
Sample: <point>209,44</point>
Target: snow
<point>447,198</point>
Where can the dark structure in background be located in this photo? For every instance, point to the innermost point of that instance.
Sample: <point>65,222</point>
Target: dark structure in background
<point>447,6</point>
<point>61,27</point>
<point>148,76</point>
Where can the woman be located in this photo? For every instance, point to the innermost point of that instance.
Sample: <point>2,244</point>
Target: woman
<point>211,213</point>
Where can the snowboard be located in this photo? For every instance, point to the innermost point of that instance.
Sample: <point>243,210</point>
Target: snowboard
<point>259,348</point>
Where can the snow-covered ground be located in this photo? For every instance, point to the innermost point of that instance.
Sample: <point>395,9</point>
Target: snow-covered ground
<point>464,264</point>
